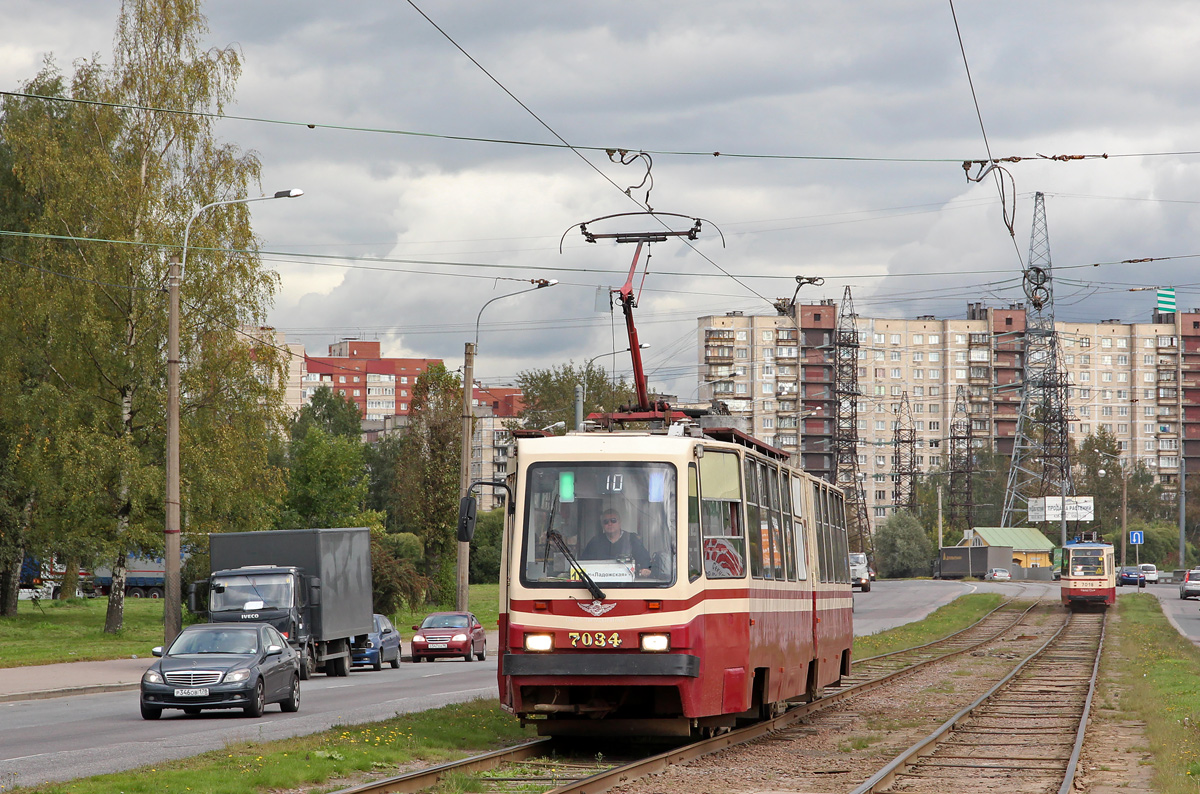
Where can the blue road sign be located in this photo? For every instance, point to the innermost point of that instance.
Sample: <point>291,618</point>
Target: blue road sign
<point>1136,537</point>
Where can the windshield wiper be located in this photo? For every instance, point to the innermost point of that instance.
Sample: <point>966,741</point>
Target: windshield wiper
<point>555,537</point>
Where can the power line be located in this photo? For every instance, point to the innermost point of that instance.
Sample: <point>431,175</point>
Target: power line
<point>313,125</point>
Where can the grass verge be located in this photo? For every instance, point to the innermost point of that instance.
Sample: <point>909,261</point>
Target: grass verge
<point>319,762</point>
<point>73,630</point>
<point>955,616</point>
<point>1158,675</point>
<point>483,601</point>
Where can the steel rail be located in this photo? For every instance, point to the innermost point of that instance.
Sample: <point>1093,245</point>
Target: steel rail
<point>603,781</point>
<point>1073,762</point>
<point>950,636</point>
<point>424,778</point>
<point>886,776</point>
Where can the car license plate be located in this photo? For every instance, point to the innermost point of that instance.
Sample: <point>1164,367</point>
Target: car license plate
<point>437,645</point>
<point>192,693</point>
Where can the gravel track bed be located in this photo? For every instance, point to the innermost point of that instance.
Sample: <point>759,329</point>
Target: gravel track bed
<point>840,747</point>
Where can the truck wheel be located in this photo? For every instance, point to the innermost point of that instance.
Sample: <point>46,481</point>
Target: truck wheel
<point>307,666</point>
<point>154,592</point>
<point>337,668</point>
<point>134,592</point>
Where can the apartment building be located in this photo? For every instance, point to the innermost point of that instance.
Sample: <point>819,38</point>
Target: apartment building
<point>494,407</point>
<point>381,387</point>
<point>1138,381</point>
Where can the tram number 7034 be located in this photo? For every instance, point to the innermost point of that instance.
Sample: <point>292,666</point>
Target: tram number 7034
<point>594,639</point>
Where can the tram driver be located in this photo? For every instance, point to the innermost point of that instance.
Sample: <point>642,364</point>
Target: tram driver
<point>614,543</point>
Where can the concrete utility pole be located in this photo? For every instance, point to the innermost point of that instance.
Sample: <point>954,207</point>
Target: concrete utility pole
<point>462,575</point>
<point>172,598</point>
<point>463,567</point>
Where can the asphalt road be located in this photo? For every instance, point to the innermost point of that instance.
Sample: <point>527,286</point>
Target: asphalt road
<point>1184,615</point>
<point>894,603</point>
<point>65,738</point>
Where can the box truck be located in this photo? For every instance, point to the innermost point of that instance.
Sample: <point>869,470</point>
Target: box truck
<point>313,585</point>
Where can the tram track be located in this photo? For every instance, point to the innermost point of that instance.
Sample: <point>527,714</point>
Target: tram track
<point>585,776</point>
<point>1024,734</point>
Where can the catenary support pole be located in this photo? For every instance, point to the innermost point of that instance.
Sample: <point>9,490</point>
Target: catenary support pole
<point>462,590</point>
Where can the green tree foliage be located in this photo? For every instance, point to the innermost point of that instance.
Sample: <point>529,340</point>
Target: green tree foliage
<point>427,470</point>
<point>549,394</point>
<point>330,410</point>
<point>327,481</point>
<point>114,183</point>
<point>394,575</point>
<point>1161,546</point>
<point>901,546</point>
<point>383,462</point>
<point>485,547</point>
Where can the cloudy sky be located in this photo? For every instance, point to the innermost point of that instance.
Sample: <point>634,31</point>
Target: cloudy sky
<point>842,129</point>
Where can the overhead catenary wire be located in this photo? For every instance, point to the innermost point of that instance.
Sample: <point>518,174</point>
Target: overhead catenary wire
<point>996,170</point>
<point>707,154</point>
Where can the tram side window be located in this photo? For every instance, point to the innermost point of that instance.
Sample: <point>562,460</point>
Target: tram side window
<point>785,525</point>
<point>838,526</point>
<point>754,531</point>
<point>830,562</point>
<point>724,547</point>
<point>822,532</point>
<point>798,525</point>
<point>695,554</point>
<point>771,494</point>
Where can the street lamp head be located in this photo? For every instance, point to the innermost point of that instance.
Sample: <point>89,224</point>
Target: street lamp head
<point>554,426</point>
<point>1101,472</point>
<point>293,193</point>
<point>545,282</point>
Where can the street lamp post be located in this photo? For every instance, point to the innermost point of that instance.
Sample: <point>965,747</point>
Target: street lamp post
<point>172,616</point>
<point>581,389</point>
<point>463,568</point>
<point>1124,500</point>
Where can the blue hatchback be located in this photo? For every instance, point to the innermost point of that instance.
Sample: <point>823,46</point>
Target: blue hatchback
<point>383,645</point>
<point>1131,574</point>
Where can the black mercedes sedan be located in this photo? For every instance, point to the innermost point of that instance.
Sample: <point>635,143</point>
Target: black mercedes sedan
<point>223,666</point>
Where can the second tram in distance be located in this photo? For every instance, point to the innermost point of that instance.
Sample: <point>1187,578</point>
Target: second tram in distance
<point>1089,576</point>
<point>668,584</point>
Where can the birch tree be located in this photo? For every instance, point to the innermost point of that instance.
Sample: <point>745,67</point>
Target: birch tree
<point>117,172</point>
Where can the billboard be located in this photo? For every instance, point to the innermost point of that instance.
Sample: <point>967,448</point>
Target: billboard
<point>1050,508</point>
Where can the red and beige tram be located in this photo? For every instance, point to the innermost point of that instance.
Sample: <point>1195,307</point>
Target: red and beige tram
<point>1089,576</point>
<point>724,594</point>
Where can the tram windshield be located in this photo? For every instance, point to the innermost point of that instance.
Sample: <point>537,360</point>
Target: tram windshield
<point>1087,562</point>
<point>613,521</point>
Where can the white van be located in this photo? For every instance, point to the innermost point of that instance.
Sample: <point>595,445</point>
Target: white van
<point>860,573</point>
<point>1151,573</point>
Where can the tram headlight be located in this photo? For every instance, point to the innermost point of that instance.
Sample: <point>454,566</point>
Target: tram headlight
<point>539,643</point>
<point>656,643</point>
